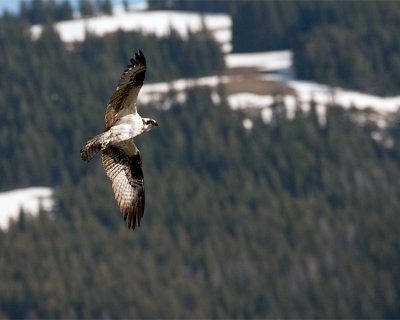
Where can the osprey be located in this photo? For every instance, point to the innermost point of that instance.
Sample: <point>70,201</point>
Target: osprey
<point>120,157</point>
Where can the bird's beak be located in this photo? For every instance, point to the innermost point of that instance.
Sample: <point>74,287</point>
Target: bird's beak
<point>156,123</point>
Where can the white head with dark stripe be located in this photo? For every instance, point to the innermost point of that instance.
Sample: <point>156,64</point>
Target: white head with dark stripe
<point>148,124</point>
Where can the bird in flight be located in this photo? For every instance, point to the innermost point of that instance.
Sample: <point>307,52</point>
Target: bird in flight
<point>120,157</point>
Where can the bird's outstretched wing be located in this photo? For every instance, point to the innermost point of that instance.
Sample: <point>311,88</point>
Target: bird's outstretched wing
<point>123,166</point>
<point>128,88</point>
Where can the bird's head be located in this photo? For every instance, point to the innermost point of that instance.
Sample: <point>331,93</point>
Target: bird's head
<point>149,123</point>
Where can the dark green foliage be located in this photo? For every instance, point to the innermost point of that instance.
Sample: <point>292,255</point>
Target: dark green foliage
<point>86,8</point>
<point>42,11</point>
<point>104,6</point>
<point>193,5</point>
<point>355,47</point>
<point>288,220</point>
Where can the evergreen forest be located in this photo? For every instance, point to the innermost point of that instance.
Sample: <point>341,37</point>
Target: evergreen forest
<point>291,219</point>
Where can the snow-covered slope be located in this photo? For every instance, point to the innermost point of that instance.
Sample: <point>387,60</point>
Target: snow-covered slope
<point>30,200</point>
<point>262,61</point>
<point>151,22</point>
<point>273,66</point>
<point>249,80</point>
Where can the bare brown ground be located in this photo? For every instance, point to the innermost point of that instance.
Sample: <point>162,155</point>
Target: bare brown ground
<point>247,80</point>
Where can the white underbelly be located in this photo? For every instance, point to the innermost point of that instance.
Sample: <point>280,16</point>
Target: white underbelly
<point>127,127</point>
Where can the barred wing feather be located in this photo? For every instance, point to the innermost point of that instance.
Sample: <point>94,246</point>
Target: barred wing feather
<point>125,172</point>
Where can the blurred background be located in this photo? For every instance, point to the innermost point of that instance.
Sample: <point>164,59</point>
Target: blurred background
<point>272,183</point>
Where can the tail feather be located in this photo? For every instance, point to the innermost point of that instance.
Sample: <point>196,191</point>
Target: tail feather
<point>92,146</point>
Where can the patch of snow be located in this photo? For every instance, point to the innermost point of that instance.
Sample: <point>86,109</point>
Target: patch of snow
<point>181,97</point>
<point>179,85</point>
<point>324,95</point>
<point>247,124</point>
<point>263,61</point>
<point>28,199</point>
<point>387,141</point>
<point>224,37</point>
<point>290,104</point>
<point>311,91</point>
<point>360,100</point>
<point>164,93</point>
<point>215,97</point>
<point>245,100</point>
<point>266,115</point>
<point>139,6</point>
<point>159,23</point>
<point>136,6</point>
<point>321,113</point>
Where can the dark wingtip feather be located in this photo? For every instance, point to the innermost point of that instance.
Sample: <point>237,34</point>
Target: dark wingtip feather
<point>137,59</point>
<point>131,220</point>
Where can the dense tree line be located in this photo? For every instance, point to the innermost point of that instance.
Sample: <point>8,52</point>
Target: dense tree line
<point>40,11</point>
<point>194,5</point>
<point>291,219</point>
<point>44,11</point>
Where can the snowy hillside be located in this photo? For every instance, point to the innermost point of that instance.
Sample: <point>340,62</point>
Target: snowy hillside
<point>30,200</point>
<point>265,68</point>
<point>252,80</point>
<point>152,22</point>
<point>261,61</point>
<point>270,66</point>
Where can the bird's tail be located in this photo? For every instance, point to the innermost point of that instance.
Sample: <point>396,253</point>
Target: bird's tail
<point>93,145</point>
